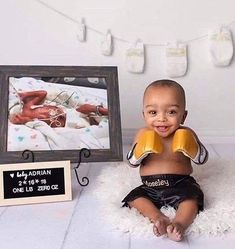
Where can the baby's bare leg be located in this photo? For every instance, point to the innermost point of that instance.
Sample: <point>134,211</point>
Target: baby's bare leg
<point>185,214</point>
<point>148,209</point>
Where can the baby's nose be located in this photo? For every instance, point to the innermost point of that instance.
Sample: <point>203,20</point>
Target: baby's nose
<point>161,117</point>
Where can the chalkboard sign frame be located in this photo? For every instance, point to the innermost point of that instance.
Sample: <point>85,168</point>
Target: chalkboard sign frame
<point>107,78</point>
<point>30,183</point>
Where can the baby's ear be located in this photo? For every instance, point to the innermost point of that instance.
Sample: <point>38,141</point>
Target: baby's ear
<point>184,117</point>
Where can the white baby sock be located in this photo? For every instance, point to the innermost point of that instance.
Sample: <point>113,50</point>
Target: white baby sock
<point>135,57</point>
<point>81,31</point>
<point>176,59</point>
<point>221,47</point>
<point>107,44</point>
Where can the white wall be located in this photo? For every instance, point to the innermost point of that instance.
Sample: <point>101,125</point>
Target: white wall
<point>32,34</point>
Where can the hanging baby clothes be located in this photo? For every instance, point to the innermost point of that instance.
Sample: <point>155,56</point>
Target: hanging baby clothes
<point>221,47</point>
<point>135,57</point>
<point>176,59</point>
<point>107,44</point>
<point>81,31</point>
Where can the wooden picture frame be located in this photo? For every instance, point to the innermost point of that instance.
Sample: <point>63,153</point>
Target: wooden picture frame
<point>66,89</point>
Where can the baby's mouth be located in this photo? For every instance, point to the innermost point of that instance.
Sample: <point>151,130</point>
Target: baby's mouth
<point>162,128</point>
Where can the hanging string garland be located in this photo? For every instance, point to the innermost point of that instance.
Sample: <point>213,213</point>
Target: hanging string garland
<point>220,47</point>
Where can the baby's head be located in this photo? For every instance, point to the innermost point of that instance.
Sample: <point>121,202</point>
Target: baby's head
<point>164,106</point>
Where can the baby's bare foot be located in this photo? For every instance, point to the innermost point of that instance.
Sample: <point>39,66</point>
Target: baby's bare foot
<point>175,231</point>
<point>160,225</point>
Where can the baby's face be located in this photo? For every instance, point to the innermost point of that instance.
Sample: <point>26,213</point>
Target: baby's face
<point>163,110</point>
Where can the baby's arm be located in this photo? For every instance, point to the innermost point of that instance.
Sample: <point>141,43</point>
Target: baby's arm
<point>33,97</point>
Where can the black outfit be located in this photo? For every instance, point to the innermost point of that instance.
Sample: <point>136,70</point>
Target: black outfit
<point>167,190</point>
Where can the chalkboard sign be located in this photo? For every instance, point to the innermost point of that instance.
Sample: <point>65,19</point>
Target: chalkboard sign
<point>26,183</point>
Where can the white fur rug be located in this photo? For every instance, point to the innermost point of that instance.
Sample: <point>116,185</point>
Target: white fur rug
<point>216,178</point>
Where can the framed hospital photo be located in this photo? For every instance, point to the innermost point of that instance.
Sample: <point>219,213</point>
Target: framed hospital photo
<point>56,111</point>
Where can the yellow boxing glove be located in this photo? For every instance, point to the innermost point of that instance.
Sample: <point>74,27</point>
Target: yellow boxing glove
<point>185,141</point>
<point>148,142</point>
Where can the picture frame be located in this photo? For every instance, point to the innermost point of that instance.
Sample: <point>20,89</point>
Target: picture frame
<point>67,90</point>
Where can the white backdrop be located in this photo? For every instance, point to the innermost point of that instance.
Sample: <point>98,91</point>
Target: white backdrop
<point>32,34</point>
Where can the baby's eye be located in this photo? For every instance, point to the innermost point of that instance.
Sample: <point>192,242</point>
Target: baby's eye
<point>152,112</point>
<point>172,112</point>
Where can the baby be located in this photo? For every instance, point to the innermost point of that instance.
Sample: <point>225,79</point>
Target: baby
<point>164,150</point>
<point>55,116</point>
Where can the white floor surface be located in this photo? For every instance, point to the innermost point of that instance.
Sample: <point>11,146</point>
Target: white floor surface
<point>77,224</point>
